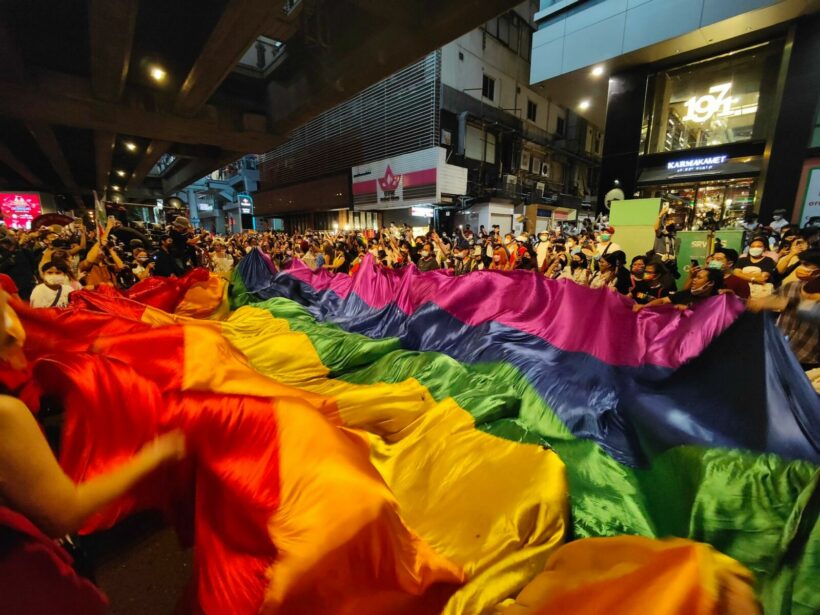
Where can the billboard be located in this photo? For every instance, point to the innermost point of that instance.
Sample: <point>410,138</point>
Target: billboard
<point>415,179</point>
<point>19,209</point>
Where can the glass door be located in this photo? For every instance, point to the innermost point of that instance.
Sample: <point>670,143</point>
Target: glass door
<point>709,202</point>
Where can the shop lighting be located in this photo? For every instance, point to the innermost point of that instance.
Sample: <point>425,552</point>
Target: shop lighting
<point>584,104</point>
<point>130,146</point>
<point>121,173</point>
<point>597,71</point>
<point>157,73</point>
<point>115,188</point>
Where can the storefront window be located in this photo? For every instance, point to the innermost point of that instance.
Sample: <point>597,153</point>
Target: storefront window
<point>722,100</point>
<point>701,204</point>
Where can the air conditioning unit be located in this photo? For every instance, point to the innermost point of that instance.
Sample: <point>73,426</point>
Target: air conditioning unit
<point>510,183</point>
<point>539,190</point>
<point>525,160</point>
<point>545,169</point>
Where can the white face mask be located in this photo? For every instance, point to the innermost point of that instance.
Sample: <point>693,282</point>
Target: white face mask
<point>755,251</point>
<point>425,253</point>
<point>54,279</point>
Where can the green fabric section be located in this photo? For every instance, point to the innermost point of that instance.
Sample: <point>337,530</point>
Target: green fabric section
<point>757,508</point>
<point>238,294</point>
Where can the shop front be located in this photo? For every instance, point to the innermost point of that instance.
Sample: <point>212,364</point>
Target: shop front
<point>408,189</point>
<point>706,126</point>
<point>704,190</point>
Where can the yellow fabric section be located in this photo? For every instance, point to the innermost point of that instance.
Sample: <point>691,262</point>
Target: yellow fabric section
<point>495,507</point>
<point>636,575</point>
<point>335,521</point>
<point>205,299</point>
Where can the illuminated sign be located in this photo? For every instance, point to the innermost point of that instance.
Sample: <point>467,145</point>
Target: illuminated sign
<point>18,210</point>
<point>811,200</point>
<point>422,212</point>
<point>688,165</point>
<point>717,101</point>
<point>245,202</point>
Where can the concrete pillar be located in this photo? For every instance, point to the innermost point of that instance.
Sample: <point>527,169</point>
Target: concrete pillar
<point>193,212</point>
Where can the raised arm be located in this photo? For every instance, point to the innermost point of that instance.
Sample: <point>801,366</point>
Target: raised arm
<point>32,482</point>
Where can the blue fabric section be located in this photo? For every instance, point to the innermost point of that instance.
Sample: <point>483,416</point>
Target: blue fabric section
<point>746,391</point>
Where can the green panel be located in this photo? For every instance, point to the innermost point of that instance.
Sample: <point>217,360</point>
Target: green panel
<point>693,245</point>
<point>634,240</point>
<point>731,239</point>
<point>634,212</point>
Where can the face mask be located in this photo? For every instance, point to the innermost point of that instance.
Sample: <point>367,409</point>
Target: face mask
<point>804,273</point>
<point>425,253</point>
<point>142,259</point>
<point>575,251</point>
<point>755,251</point>
<point>54,279</point>
<point>776,218</point>
<point>703,290</point>
<point>716,265</point>
<point>604,236</point>
<point>458,256</point>
<point>543,237</point>
<point>574,265</point>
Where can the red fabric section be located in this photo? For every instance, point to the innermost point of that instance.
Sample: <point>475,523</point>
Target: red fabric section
<point>7,284</point>
<point>165,293</point>
<point>36,577</point>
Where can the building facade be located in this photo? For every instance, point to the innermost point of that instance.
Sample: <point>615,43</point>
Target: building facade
<point>711,105</point>
<point>447,139</point>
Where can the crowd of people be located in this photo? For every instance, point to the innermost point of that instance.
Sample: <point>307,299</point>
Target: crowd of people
<point>779,269</point>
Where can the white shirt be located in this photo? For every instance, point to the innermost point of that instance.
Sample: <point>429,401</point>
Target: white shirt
<point>601,248</point>
<point>222,265</point>
<point>777,225</point>
<point>42,296</point>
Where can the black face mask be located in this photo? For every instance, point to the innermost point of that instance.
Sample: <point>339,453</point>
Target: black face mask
<point>575,265</point>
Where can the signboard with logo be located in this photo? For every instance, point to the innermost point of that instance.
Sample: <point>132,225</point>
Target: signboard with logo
<point>414,179</point>
<point>245,201</point>
<point>703,166</point>
<point>811,200</point>
<point>18,210</point>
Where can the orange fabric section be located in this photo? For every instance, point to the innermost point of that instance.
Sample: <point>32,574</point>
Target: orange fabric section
<point>636,575</point>
<point>341,544</point>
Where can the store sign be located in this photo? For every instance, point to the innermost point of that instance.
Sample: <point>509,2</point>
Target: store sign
<point>18,210</point>
<point>245,203</point>
<point>811,200</point>
<point>204,207</point>
<point>408,180</point>
<point>687,165</point>
<point>422,212</point>
<point>701,109</point>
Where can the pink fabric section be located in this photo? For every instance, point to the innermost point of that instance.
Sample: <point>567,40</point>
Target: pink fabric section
<point>571,317</point>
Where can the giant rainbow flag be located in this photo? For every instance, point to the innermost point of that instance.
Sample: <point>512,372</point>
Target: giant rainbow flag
<point>399,442</point>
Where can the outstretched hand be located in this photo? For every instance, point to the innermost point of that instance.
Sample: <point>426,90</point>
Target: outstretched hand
<point>169,446</point>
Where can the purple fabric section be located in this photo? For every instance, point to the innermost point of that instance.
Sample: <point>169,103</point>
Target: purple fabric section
<point>568,316</point>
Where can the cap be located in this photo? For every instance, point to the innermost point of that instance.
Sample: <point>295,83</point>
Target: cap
<point>182,221</point>
<point>610,229</point>
<point>779,211</point>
